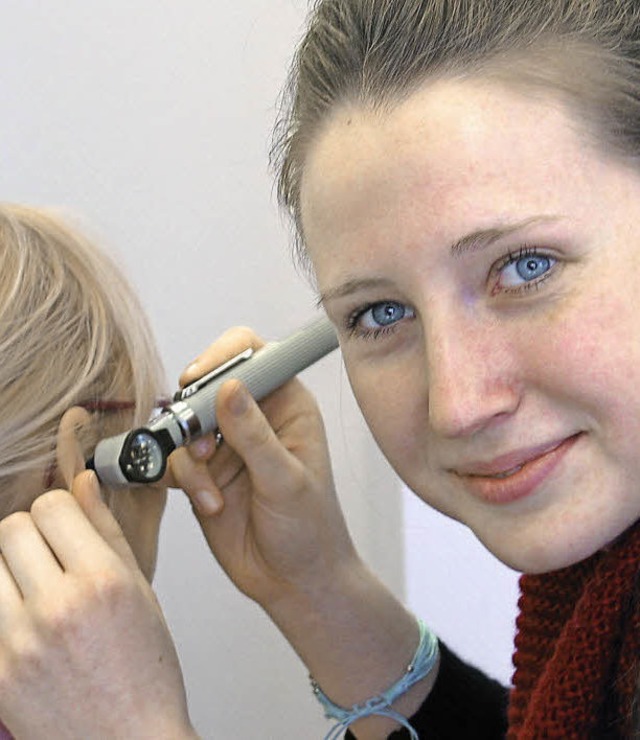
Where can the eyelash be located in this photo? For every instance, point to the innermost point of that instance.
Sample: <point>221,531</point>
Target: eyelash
<point>511,259</point>
<point>366,334</point>
<point>354,330</point>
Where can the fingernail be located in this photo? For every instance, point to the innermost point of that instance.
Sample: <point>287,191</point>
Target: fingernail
<point>94,483</point>
<point>206,503</point>
<point>191,368</point>
<point>239,401</point>
<point>203,447</point>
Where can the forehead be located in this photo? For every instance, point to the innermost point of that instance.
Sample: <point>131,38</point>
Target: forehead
<point>453,153</point>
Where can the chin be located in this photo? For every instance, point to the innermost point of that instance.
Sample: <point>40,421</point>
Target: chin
<point>149,569</point>
<point>536,554</point>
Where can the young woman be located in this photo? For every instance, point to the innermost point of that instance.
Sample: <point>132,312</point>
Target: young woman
<point>464,181</point>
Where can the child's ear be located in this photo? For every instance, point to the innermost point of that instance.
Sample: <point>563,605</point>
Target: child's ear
<point>69,455</point>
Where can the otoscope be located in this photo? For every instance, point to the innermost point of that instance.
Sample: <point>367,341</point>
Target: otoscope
<point>140,455</point>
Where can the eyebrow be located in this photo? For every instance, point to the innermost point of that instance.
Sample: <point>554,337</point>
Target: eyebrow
<point>472,242</point>
<point>352,286</point>
<point>483,238</point>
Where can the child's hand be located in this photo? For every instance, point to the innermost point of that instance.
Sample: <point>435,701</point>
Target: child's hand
<point>84,649</point>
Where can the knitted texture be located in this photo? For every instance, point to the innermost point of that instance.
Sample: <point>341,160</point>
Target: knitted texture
<point>577,657</point>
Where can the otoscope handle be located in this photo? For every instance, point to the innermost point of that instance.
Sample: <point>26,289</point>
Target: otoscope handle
<point>261,371</point>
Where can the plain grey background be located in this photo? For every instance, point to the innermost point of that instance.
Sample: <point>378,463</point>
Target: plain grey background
<point>149,121</point>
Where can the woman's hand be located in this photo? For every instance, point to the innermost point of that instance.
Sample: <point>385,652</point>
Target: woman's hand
<point>265,499</point>
<point>266,503</point>
<point>84,649</point>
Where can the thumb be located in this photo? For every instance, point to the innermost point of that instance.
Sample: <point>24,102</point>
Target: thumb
<point>247,430</point>
<point>86,491</point>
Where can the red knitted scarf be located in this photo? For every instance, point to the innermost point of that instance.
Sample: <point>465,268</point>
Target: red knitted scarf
<point>577,656</point>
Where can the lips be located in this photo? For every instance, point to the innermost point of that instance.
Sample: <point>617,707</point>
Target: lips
<point>515,475</point>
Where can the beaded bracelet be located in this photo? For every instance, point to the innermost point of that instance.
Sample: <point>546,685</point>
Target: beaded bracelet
<point>421,664</point>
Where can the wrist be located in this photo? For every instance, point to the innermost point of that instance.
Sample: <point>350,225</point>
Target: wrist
<point>387,703</point>
<point>354,636</point>
<point>321,596</point>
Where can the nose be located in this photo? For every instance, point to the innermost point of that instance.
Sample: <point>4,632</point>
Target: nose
<point>472,375</point>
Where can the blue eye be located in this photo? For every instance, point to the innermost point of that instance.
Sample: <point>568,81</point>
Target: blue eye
<point>525,268</point>
<point>377,317</point>
<point>385,314</point>
<point>529,268</point>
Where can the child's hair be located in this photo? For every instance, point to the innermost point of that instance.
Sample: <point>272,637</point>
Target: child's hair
<point>72,332</point>
<point>374,53</point>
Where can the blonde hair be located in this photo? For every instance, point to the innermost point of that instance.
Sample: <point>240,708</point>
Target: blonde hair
<point>71,331</point>
<point>376,52</point>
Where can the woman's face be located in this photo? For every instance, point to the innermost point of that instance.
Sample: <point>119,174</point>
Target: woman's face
<point>481,261</point>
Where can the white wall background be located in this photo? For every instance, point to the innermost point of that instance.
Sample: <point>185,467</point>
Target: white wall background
<point>150,119</point>
<point>468,597</point>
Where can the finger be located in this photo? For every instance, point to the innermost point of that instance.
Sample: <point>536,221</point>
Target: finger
<point>86,491</point>
<point>70,534</point>
<point>231,343</point>
<point>247,430</point>
<point>204,448</point>
<point>10,594</point>
<point>195,480</point>
<point>27,554</point>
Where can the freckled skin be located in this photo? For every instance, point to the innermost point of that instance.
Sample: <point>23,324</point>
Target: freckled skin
<point>484,365</point>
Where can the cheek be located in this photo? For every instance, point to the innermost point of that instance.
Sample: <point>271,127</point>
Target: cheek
<point>592,358</point>
<point>391,401</point>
